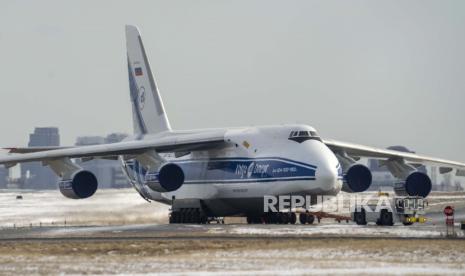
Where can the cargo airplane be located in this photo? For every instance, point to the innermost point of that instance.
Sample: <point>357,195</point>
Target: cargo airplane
<point>223,171</point>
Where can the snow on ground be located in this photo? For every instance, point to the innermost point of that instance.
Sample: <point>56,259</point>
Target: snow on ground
<point>125,206</point>
<point>114,206</point>
<point>274,256</point>
<point>334,230</point>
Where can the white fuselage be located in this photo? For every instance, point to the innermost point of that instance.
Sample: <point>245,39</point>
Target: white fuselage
<point>257,162</point>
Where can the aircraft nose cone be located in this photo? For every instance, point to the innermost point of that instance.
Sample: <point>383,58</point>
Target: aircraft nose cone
<point>327,176</point>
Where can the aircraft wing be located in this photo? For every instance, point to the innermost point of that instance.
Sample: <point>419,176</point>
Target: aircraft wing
<point>355,150</point>
<point>32,149</point>
<point>169,143</point>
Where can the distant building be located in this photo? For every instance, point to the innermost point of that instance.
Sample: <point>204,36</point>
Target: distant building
<point>90,140</point>
<point>3,177</point>
<point>34,175</point>
<point>108,172</point>
<point>115,137</point>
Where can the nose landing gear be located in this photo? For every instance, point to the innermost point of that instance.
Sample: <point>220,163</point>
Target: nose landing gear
<point>305,218</point>
<point>273,218</point>
<point>291,218</point>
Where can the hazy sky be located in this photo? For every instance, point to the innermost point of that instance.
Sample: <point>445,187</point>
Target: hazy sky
<point>372,72</point>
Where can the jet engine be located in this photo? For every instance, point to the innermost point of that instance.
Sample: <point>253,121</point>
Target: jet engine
<point>416,184</point>
<point>357,179</point>
<point>170,178</point>
<point>82,184</point>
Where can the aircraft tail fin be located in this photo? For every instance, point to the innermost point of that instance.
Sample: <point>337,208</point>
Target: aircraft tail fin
<point>147,106</point>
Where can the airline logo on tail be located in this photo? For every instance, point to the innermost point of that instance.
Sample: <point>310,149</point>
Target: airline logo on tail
<point>148,112</point>
<point>141,97</point>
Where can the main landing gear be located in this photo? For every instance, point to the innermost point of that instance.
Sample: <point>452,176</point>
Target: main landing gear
<point>193,216</point>
<point>188,215</point>
<point>191,211</point>
<point>280,218</point>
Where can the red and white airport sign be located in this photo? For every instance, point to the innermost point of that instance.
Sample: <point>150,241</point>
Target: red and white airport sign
<point>449,211</point>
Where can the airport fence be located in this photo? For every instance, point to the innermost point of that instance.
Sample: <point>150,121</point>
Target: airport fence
<point>58,224</point>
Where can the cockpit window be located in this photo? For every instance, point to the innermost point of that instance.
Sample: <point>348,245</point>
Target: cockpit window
<point>301,136</point>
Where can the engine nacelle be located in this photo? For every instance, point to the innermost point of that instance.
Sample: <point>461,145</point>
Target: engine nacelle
<point>82,184</point>
<point>416,184</point>
<point>169,179</point>
<point>357,179</point>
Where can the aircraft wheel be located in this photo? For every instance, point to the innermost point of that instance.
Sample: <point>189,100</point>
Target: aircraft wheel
<point>292,218</point>
<point>287,218</point>
<point>360,217</point>
<point>191,216</point>
<point>386,218</point>
<point>267,218</point>
<point>195,216</point>
<point>252,219</point>
<point>177,217</point>
<point>279,218</point>
<point>182,216</point>
<point>187,216</point>
<point>272,218</point>
<point>174,217</point>
<point>303,218</point>
<point>276,218</point>
<point>283,218</point>
<point>310,218</point>
<point>203,219</point>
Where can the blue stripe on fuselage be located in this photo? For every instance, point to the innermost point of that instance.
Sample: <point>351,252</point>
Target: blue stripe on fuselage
<point>234,170</point>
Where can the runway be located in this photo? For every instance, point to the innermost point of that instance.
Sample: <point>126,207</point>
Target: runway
<point>116,214</point>
<point>224,231</point>
<point>117,233</point>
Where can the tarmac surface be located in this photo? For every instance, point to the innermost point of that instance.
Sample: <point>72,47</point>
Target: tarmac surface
<point>117,233</point>
<point>226,231</point>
